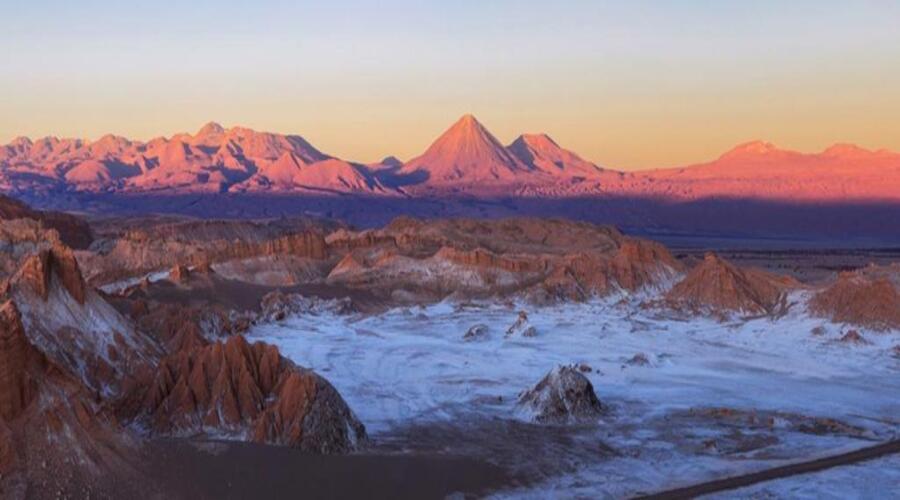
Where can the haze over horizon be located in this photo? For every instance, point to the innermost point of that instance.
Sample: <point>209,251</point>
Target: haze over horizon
<point>642,85</point>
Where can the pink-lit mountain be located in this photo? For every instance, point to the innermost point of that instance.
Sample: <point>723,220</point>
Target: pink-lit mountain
<point>466,158</point>
<point>468,153</point>
<point>759,170</point>
<point>213,160</point>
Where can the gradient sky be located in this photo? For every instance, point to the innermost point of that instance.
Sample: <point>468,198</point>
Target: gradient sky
<point>626,84</point>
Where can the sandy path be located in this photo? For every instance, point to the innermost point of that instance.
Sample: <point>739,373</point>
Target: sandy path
<point>731,483</point>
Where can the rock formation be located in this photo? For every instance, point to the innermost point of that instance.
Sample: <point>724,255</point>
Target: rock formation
<point>38,270</point>
<point>853,337</point>
<point>19,364</point>
<point>286,245</point>
<point>563,396</point>
<point>248,390</point>
<point>277,305</point>
<point>546,260</point>
<point>869,298</point>
<point>716,285</point>
<point>73,231</point>
<point>476,332</point>
<point>521,327</point>
<point>47,418</point>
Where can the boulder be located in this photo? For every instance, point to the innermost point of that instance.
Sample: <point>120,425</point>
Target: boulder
<point>476,332</point>
<point>853,337</point>
<point>521,327</point>
<point>563,396</point>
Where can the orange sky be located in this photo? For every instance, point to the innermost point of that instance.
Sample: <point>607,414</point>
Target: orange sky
<point>627,86</point>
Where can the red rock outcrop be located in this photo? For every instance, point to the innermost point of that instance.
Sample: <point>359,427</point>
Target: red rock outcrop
<point>248,390</point>
<point>719,286</point>
<point>7,450</point>
<point>868,298</point>
<point>47,417</point>
<point>133,252</point>
<point>37,272</point>
<point>19,362</point>
<point>548,259</point>
<point>480,257</point>
<point>73,231</point>
<point>73,326</point>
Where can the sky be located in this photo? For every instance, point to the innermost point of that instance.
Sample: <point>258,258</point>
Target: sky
<point>630,84</point>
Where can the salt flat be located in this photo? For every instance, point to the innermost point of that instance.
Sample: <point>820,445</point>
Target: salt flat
<point>418,386</point>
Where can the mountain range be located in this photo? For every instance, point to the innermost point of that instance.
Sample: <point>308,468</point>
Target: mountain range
<point>755,188</point>
<point>467,157</point>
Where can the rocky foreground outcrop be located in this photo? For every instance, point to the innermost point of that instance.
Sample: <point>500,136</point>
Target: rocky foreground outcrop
<point>38,270</point>
<point>20,364</point>
<point>72,325</point>
<point>563,396</point>
<point>53,431</point>
<point>718,286</point>
<point>868,297</point>
<point>76,374</point>
<point>247,391</point>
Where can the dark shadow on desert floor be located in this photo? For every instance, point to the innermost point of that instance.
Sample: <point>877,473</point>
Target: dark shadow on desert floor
<point>224,470</point>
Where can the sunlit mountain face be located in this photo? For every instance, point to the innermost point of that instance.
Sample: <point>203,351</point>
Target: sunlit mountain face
<point>756,189</point>
<point>465,157</point>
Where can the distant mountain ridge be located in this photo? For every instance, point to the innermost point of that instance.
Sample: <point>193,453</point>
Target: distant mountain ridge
<point>466,159</point>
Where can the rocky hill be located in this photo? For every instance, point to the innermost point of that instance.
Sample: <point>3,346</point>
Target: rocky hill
<point>77,375</point>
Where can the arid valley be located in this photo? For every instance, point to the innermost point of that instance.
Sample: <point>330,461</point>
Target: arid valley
<point>420,249</point>
<point>162,355</point>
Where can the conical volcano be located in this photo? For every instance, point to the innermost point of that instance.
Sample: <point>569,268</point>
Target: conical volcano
<point>540,152</point>
<point>467,153</point>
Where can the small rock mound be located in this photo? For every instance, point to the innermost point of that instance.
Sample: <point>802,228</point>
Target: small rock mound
<point>521,327</point>
<point>861,299</point>
<point>717,285</point>
<point>639,359</point>
<point>477,332</point>
<point>853,337</point>
<point>248,390</point>
<point>179,274</point>
<point>563,396</point>
<point>277,305</point>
